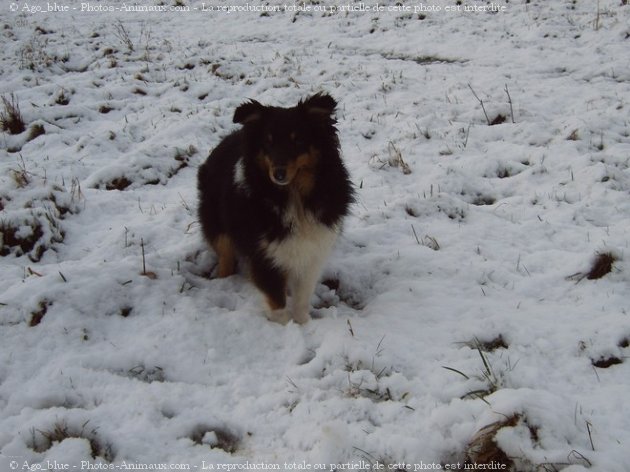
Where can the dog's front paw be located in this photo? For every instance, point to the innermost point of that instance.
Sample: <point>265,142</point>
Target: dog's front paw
<point>301,317</point>
<point>281,316</point>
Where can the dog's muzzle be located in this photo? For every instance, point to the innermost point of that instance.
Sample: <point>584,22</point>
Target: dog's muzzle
<point>279,175</point>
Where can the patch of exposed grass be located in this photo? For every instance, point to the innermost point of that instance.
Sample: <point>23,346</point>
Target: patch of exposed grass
<point>38,315</point>
<point>20,237</point>
<point>491,345</point>
<point>118,183</point>
<point>43,440</point>
<point>484,452</point>
<point>62,98</point>
<point>346,295</point>
<point>601,265</point>
<point>34,54</point>
<point>483,200</point>
<point>483,447</point>
<point>147,374</point>
<point>606,362</point>
<point>216,438</point>
<point>422,60</point>
<point>125,311</point>
<point>573,136</point>
<point>35,131</point>
<point>499,119</point>
<point>11,119</point>
<point>182,156</point>
<point>493,380</point>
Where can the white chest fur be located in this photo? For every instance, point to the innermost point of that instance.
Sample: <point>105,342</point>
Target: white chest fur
<point>308,244</point>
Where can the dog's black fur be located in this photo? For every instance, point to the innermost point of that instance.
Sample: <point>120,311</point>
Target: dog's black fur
<point>273,194</point>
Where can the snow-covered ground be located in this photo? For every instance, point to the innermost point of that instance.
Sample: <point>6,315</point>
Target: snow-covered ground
<point>457,311</point>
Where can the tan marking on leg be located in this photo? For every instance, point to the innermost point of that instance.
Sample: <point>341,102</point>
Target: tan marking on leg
<point>224,248</point>
<point>272,304</point>
<point>276,312</point>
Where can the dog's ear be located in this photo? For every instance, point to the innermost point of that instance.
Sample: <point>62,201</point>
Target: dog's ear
<point>248,112</point>
<point>320,104</point>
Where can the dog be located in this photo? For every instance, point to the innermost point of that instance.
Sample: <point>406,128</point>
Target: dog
<point>273,196</point>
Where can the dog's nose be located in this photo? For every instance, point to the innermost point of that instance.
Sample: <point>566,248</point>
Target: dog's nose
<point>280,174</point>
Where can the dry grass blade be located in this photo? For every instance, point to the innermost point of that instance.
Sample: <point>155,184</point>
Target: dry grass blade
<point>123,35</point>
<point>488,373</point>
<point>456,371</point>
<point>510,102</point>
<point>430,242</point>
<point>481,103</point>
<point>396,159</point>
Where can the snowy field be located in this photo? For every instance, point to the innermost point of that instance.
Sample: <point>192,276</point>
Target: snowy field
<point>474,313</point>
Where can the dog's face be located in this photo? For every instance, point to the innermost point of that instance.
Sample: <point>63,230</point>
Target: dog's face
<point>284,141</point>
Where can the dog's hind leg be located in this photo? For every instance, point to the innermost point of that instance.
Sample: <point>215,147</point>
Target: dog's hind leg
<point>224,248</point>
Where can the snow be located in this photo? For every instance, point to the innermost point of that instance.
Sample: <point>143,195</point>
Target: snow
<point>488,235</point>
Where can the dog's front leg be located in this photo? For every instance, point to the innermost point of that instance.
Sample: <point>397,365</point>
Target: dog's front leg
<point>272,283</point>
<point>302,287</point>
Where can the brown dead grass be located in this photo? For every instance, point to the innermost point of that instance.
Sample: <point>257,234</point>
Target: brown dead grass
<point>43,440</point>
<point>601,265</point>
<point>483,448</point>
<point>11,119</point>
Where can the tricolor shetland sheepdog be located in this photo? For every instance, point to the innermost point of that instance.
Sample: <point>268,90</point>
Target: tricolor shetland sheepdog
<point>273,195</point>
